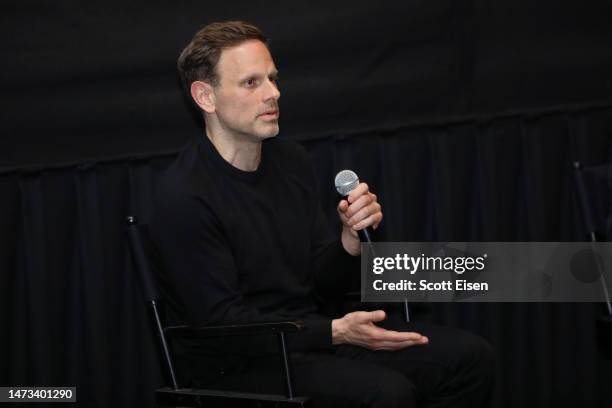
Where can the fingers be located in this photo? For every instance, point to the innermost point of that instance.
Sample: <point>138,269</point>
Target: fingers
<point>359,328</point>
<point>358,191</point>
<point>373,220</point>
<point>343,205</point>
<point>359,202</point>
<point>369,317</point>
<point>383,339</point>
<point>379,335</point>
<point>364,202</point>
<point>393,346</point>
<point>377,315</point>
<point>362,214</point>
<point>384,335</point>
<point>361,209</point>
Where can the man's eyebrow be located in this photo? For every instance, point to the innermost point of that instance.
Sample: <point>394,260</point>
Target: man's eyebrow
<point>273,73</point>
<point>249,76</point>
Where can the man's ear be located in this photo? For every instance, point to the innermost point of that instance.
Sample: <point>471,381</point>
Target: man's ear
<point>204,96</point>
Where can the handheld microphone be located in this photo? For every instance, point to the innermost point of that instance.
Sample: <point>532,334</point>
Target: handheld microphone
<point>346,181</point>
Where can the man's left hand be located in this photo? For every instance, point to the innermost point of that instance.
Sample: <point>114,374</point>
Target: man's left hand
<point>358,211</point>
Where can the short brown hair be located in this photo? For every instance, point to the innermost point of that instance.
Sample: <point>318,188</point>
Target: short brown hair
<point>198,61</point>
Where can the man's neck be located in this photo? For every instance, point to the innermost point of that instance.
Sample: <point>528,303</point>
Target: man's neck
<point>240,152</point>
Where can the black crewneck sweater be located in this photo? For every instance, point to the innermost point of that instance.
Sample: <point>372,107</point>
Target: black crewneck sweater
<point>239,247</point>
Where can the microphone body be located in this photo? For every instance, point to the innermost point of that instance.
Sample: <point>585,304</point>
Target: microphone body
<point>365,235</point>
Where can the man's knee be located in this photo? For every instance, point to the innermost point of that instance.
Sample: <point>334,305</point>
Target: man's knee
<point>470,371</point>
<point>478,356</point>
<point>349,383</point>
<point>475,373</point>
<point>392,391</point>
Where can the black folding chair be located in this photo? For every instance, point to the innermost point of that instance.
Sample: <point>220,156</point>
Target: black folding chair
<point>594,185</point>
<point>177,396</point>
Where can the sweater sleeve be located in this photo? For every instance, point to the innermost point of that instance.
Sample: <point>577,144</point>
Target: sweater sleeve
<point>200,279</point>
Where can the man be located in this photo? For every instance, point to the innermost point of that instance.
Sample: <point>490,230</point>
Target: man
<point>242,238</point>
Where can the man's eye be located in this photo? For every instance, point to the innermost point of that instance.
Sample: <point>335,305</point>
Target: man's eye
<point>250,82</point>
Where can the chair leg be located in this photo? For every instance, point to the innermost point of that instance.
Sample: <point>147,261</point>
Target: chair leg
<point>286,365</point>
<point>164,344</point>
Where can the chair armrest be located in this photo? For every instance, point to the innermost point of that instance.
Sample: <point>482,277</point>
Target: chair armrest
<point>234,329</point>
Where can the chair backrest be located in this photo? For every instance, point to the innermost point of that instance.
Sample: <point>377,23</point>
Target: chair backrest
<point>594,185</point>
<point>139,244</point>
<point>142,252</point>
<point>140,248</point>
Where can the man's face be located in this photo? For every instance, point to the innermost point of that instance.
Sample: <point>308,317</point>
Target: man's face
<point>246,98</point>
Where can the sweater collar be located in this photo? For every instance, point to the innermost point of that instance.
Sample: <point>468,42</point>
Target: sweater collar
<point>209,153</point>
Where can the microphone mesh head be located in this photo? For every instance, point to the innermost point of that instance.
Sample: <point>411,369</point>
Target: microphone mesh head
<point>346,181</point>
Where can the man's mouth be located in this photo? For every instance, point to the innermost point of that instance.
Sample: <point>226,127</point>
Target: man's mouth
<point>271,114</point>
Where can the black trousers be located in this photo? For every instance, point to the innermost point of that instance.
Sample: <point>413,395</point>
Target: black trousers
<point>456,369</point>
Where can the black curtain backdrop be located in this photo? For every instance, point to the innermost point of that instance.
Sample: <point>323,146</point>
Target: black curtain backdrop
<point>464,117</point>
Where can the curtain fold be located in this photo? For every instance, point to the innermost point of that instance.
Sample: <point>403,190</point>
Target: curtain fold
<point>75,315</point>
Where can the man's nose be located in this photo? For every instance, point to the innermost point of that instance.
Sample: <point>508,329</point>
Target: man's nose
<point>272,91</point>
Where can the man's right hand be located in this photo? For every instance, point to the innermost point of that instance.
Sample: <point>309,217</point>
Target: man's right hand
<point>358,328</point>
